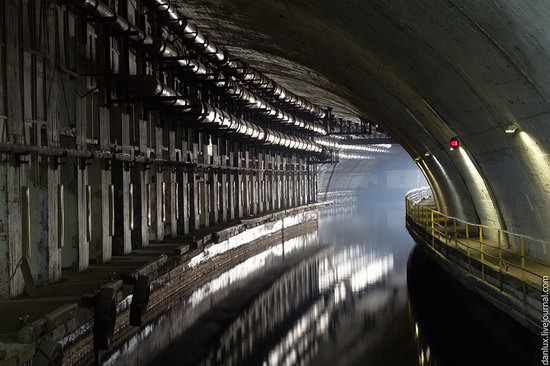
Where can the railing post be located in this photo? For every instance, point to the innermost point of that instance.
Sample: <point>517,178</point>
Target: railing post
<point>455,233</point>
<point>522,253</point>
<point>500,257</point>
<point>468,247</point>
<point>481,250</point>
<point>446,234</point>
<point>433,228</point>
<point>481,241</point>
<point>438,221</point>
<point>426,219</point>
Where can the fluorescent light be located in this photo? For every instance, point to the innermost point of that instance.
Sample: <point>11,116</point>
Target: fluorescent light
<point>511,128</point>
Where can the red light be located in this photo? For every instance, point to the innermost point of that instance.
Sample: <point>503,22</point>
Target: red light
<point>454,143</point>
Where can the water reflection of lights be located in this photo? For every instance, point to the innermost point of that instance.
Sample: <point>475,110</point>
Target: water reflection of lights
<point>371,274</point>
<point>352,269</point>
<point>247,267</point>
<point>248,236</point>
<point>362,267</point>
<point>177,320</point>
<point>424,351</point>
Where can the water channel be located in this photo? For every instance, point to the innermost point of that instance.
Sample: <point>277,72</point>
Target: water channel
<point>356,291</point>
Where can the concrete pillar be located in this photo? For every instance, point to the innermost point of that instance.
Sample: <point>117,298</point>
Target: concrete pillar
<point>83,190</point>
<point>84,194</point>
<point>246,183</point>
<point>183,192</point>
<point>140,187</point>
<point>292,181</point>
<point>314,179</point>
<point>193,182</point>
<point>122,181</point>
<point>213,183</point>
<point>239,182</point>
<point>102,198</point>
<point>286,179</point>
<point>261,181</point>
<point>272,183</point>
<point>204,190</point>
<point>171,196</point>
<point>160,187</point>
<point>231,190</point>
<point>253,174</point>
<point>280,175</point>
<point>302,182</point>
<point>180,186</point>
<point>195,202</point>
<point>224,185</point>
<point>143,191</point>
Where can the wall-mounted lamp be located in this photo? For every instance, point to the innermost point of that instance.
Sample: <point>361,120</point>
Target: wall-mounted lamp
<point>511,128</point>
<point>454,143</point>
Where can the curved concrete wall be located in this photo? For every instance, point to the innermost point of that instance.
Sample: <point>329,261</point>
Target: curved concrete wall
<point>426,70</point>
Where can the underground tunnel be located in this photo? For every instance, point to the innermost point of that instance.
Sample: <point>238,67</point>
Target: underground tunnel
<point>274,182</point>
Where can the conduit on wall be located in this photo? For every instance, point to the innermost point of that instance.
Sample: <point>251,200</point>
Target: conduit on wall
<point>182,25</point>
<point>146,86</point>
<point>163,49</point>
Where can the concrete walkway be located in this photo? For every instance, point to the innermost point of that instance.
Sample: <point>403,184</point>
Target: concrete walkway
<point>511,258</point>
<point>58,309</point>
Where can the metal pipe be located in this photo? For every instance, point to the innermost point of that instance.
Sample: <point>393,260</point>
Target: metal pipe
<point>100,10</point>
<point>235,67</point>
<point>201,112</point>
<point>235,91</point>
<point>21,149</point>
<point>164,49</point>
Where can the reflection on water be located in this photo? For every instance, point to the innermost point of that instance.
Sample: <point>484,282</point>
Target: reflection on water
<point>300,303</point>
<point>455,327</point>
<point>369,261</point>
<point>157,335</point>
<point>288,305</point>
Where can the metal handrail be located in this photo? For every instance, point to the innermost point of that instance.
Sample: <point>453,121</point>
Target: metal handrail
<point>471,240</point>
<point>411,196</point>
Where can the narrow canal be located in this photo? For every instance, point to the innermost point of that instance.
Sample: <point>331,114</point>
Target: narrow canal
<point>356,291</point>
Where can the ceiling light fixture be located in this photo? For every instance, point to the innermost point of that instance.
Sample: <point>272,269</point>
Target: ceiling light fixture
<point>511,128</point>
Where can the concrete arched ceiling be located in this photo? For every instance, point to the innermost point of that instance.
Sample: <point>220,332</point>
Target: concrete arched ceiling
<point>426,70</point>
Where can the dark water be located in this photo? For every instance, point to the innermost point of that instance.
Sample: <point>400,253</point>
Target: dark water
<point>340,295</point>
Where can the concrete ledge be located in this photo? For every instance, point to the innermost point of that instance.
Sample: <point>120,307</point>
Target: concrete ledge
<point>47,324</point>
<point>503,301</point>
<point>185,260</point>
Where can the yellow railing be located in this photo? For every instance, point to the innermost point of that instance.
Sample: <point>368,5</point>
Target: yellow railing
<point>501,258</point>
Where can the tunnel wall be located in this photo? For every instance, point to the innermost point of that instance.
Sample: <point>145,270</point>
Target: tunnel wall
<point>426,71</point>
